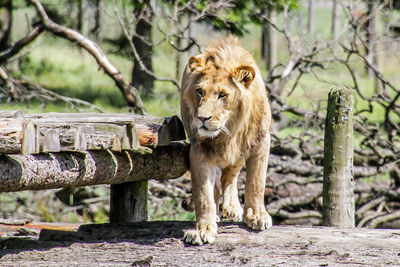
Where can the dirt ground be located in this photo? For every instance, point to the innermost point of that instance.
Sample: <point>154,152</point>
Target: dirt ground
<point>160,244</point>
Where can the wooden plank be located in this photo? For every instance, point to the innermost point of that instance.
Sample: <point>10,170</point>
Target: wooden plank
<point>80,140</point>
<point>29,141</point>
<point>51,142</point>
<point>47,170</point>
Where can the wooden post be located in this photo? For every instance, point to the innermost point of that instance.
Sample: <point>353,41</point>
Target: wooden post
<point>338,185</point>
<point>129,202</point>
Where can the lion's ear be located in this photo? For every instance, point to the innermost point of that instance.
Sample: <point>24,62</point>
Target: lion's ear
<point>245,75</point>
<point>196,64</point>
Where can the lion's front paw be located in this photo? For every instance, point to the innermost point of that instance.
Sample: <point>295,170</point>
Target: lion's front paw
<point>258,221</point>
<point>232,212</point>
<point>205,233</point>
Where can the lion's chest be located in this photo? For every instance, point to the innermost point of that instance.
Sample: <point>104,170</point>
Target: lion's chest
<point>225,153</point>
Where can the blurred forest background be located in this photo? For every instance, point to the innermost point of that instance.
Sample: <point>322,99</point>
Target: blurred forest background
<point>128,56</point>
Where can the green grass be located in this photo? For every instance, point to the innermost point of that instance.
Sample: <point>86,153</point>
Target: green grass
<point>170,210</point>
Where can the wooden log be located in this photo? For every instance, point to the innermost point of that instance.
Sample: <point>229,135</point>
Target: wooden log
<point>159,131</point>
<point>338,182</point>
<point>12,133</point>
<point>34,133</point>
<point>54,170</point>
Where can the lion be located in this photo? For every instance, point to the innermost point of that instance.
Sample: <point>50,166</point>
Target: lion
<point>226,113</point>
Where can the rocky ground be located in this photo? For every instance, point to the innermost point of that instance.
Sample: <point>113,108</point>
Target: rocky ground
<point>160,244</point>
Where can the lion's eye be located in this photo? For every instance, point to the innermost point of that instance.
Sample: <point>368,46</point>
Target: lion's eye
<point>199,92</point>
<point>222,95</point>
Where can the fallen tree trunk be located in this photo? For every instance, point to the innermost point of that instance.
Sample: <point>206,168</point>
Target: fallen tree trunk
<point>54,170</point>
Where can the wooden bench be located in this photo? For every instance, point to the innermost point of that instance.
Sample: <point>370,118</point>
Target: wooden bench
<point>53,150</point>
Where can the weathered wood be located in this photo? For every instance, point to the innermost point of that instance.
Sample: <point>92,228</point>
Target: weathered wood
<point>232,233</point>
<point>160,244</point>
<point>11,114</point>
<point>158,131</point>
<point>92,136</point>
<point>338,182</point>
<point>54,170</point>
<point>128,202</point>
<point>51,141</point>
<point>12,133</point>
<point>152,131</point>
<point>29,141</point>
<point>80,140</point>
<point>34,133</point>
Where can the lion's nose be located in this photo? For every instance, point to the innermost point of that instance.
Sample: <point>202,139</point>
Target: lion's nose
<point>203,119</point>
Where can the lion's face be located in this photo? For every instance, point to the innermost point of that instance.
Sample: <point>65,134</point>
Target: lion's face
<point>217,91</point>
<point>215,98</point>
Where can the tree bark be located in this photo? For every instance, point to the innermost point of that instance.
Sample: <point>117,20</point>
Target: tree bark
<point>143,44</point>
<point>311,18</point>
<point>334,28</point>
<point>5,23</point>
<point>338,185</point>
<point>55,170</point>
<point>371,25</point>
<point>82,24</point>
<point>98,17</point>
<point>268,46</point>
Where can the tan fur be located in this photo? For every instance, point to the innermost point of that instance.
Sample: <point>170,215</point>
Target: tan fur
<point>226,114</point>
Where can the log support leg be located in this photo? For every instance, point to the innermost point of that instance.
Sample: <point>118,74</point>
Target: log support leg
<point>129,202</point>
